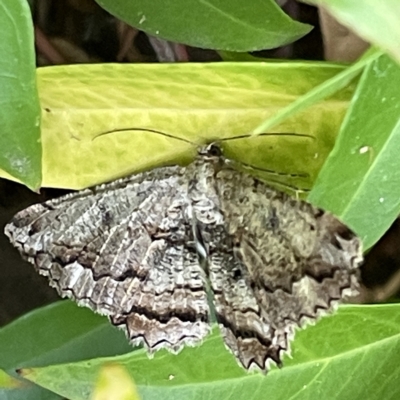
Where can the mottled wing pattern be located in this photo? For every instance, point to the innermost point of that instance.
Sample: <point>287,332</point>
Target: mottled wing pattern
<point>132,250</point>
<point>290,262</point>
<point>238,311</point>
<point>126,250</point>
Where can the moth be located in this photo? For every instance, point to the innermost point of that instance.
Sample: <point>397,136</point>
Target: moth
<point>161,251</point>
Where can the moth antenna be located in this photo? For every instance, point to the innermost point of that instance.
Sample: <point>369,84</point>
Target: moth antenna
<point>286,186</point>
<point>305,135</point>
<point>246,166</point>
<point>293,188</point>
<point>271,171</point>
<point>145,130</point>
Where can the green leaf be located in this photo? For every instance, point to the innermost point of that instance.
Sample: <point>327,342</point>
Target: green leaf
<point>377,22</point>
<point>361,339</point>
<point>61,332</point>
<point>20,154</point>
<point>213,24</point>
<point>8,382</point>
<point>320,92</point>
<point>362,174</point>
<point>233,56</point>
<point>198,102</point>
<point>75,327</point>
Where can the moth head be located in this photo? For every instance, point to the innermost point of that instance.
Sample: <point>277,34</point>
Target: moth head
<point>211,152</point>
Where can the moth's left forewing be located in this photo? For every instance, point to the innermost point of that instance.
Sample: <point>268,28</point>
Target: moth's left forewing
<point>124,249</point>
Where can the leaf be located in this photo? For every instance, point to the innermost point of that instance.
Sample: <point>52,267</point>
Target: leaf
<point>377,22</point>
<point>115,383</point>
<point>212,24</point>
<point>241,57</point>
<point>320,92</point>
<point>20,146</point>
<point>362,174</point>
<point>8,382</point>
<point>60,332</point>
<point>76,327</point>
<point>361,339</point>
<point>198,102</point>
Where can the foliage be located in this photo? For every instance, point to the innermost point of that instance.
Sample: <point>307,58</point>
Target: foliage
<point>359,182</point>
<point>20,111</point>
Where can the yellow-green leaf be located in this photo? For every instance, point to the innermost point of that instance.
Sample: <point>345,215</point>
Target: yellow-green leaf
<point>114,383</point>
<point>8,382</point>
<point>198,102</point>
